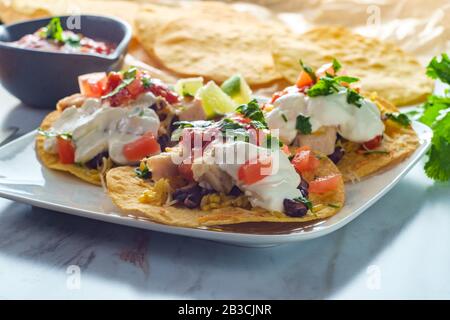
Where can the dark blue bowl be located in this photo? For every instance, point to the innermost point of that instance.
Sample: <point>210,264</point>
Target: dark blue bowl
<point>40,78</point>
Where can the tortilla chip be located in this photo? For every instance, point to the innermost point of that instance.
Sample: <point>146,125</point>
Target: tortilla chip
<point>382,67</point>
<point>399,144</point>
<point>125,188</point>
<point>18,10</point>
<point>214,44</point>
<point>51,161</point>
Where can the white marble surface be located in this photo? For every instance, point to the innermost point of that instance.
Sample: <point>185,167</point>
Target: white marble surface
<point>399,248</point>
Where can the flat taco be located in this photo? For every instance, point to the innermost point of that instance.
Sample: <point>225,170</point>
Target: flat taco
<point>226,172</point>
<point>361,133</point>
<point>116,119</point>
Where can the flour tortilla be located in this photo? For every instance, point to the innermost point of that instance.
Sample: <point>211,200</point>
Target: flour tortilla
<point>400,144</point>
<point>124,188</point>
<point>382,67</point>
<point>51,161</point>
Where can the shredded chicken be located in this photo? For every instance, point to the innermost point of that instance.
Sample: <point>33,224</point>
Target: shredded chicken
<point>323,141</point>
<point>210,176</point>
<point>192,110</point>
<point>162,166</point>
<point>76,100</point>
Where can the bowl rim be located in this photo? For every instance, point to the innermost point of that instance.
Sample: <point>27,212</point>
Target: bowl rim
<point>120,48</point>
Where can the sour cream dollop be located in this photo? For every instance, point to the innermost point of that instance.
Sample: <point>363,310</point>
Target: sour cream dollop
<point>97,127</point>
<point>357,124</point>
<point>269,192</point>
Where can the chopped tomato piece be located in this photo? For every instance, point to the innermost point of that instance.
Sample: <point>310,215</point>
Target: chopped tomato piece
<point>286,150</point>
<point>66,150</point>
<point>323,70</point>
<point>93,84</point>
<point>305,160</point>
<point>325,184</point>
<point>374,143</point>
<point>185,170</point>
<point>113,80</point>
<point>136,87</point>
<point>161,90</point>
<point>252,172</point>
<point>142,147</point>
<point>304,80</point>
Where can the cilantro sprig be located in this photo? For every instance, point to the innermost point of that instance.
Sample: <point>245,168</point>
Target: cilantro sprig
<point>253,112</point>
<point>400,118</point>
<point>436,114</point>
<point>54,31</point>
<point>303,125</point>
<point>128,77</point>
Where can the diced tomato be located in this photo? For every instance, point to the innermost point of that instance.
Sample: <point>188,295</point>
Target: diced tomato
<point>252,172</point>
<point>286,150</point>
<point>323,70</point>
<point>185,170</point>
<point>161,90</point>
<point>136,87</point>
<point>304,80</point>
<point>305,160</point>
<point>93,84</point>
<point>142,147</point>
<point>374,143</point>
<point>325,184</point>
<point>113,80</point>
<point>66,150</point>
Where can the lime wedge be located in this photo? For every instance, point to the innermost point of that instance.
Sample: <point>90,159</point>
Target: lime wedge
<point>214,100</point>
<point>188,86</point>
<point>237,88</point>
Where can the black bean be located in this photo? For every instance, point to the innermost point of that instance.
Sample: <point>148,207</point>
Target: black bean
<point>97,161</point>
<point>294,208</point>
<point>337,155</point>
<point>163,141</point>
<point>235,191</point>
<point>303,187</point>
<point>190,195</point>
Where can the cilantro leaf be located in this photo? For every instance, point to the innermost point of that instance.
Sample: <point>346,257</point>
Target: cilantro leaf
<point>323,87</point>
<point>252,111</point>
<point>128,77</point>
<point>303,125</point>
<point>305,201</point>
<point>432,109</point>
<point>439,69</point>
<point>336,65</point>
<point>354,97</point>
<point>308,70</point>
<point>400,118</point>
<point>438,165</point>
<point>53,30</point>
<point>146,82</point>
<point>143,173</point>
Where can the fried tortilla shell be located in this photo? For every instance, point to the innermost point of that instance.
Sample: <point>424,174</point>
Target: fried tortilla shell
<point>51,161</point>
<point>397,145</point>
<point>125,188</point>
<point>382,66</point>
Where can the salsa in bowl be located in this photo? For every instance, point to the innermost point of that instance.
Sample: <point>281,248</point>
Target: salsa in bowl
<point>40,60</point>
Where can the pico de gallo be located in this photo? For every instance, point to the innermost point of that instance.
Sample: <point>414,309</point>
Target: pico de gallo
<point>54,39</point>
<point>260,166</point>
<point>123,116</point>
<point>323,109</point>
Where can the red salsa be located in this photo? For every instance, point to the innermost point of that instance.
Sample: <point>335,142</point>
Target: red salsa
<point>53,38</point>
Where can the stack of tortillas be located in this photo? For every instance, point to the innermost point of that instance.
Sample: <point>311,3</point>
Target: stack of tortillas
<point>214,40</point>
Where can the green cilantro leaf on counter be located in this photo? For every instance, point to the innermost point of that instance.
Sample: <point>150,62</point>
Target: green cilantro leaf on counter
<point>400,118</point>
<point>303,125</point>
<point>439,69</point>
<point>436,114</point>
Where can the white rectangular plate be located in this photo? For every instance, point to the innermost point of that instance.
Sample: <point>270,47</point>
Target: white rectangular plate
<point>24,179</point>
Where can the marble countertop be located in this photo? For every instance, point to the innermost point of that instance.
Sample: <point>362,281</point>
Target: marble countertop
<point>399,248</point>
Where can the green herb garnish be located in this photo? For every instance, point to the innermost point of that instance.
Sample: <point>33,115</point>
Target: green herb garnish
<point>143,174</point>
<point>284,117</point>
<point>53,30</point>
<point>128,77</point>
<point>305,201</point>
<point>336,66</point>
<point>400,118</point>
<point>439,69</point>
<point>253,112</point>
<point>308,70</point>
<point>303,125</point>
<point>146,82</point>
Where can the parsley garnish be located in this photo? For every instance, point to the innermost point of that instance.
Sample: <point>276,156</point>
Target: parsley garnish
<point>354,97</point>
<point>146,82</point>
<point>336,66</point>
<point>128,77</point>
<point>303,125</point>
<point>400,118</point>
<point>252,111</point>
<point>436,115</point>
<point>439,69</point>
<point>305,201</point>
<point>308,70</point>
<point>53,30</point>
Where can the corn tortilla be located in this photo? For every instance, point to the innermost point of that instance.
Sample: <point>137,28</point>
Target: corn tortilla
<point>124,188</point>
<point>399,144</point>
<point>51,161</point>
<point>382,67</point>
